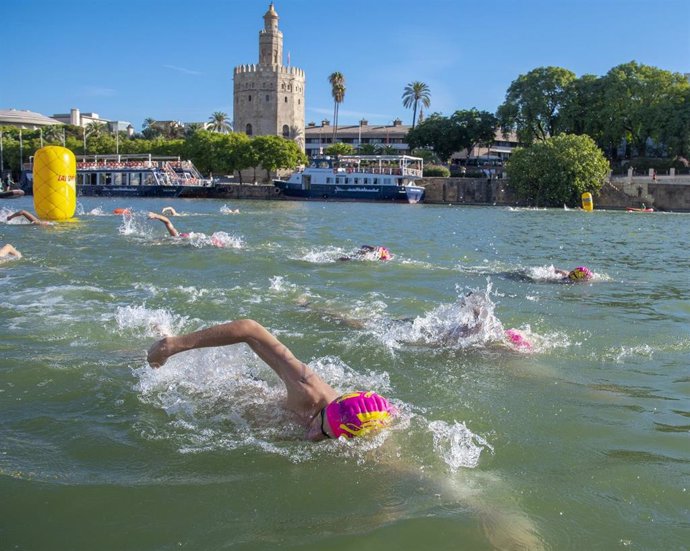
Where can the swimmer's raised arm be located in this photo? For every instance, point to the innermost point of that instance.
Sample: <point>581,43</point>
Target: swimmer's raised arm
<point>26,214</point>
<point>9,250</point>
<point>296,375</point>
<point>168,224</point>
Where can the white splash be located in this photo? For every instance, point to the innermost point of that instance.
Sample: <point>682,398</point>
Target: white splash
<point>457,445</point>
<point>140,320</point>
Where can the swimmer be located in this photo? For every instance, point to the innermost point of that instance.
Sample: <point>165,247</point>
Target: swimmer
<point>8,250</point>
<point>316,404</point>
<point>374,253</point>
<point>124,212</point>
<point>30,217</point>
<point>168,224</point>
<point>581,273</point>
<point>170,211</point>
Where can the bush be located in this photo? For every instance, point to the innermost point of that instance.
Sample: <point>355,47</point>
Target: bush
<point>557,171</point>
<point>431,171</point>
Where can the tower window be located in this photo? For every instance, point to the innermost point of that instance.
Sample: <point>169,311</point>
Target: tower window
<point>249,97</point>
<point>299,102</point>
<point>286,131</point>
<point>285,99</point>
<point>249,130</point>
<point>267,99</point>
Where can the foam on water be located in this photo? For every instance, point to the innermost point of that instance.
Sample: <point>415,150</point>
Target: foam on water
<point>226,241</point>
<point>227,210</point>
<point>457,445</point>
<point>469,322</point>
<point>140,320</point>
<point>136,225</point>
<point>549,274</point>
<point>322,255</point>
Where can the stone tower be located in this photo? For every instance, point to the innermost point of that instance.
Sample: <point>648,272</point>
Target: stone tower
<point>269,97</point>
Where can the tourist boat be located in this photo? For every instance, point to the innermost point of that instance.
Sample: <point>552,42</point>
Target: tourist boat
<point>357,178</point>
<point>131,175</point>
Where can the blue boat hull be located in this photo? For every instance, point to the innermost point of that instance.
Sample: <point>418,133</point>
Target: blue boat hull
<point>334,192</point>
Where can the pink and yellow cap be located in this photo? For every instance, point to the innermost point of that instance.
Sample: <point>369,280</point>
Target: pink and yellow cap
<point>358,413</point>
<point>580,273</point>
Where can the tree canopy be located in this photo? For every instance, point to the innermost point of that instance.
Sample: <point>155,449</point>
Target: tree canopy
<point>557,171</point>
<point>340,148</point>
<point>445,135</point>
<point>533,103</point>
<point>274,152</point>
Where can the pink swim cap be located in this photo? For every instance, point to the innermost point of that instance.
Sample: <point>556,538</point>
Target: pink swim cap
<point>518,339</point>
<point>383,253</point>
<point>580,273</point>
<point>358,413</point>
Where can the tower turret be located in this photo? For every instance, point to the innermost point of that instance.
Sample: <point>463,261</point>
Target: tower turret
<point>270,40</point>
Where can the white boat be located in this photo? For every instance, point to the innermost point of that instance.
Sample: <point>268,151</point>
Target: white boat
<point>131,175</point>
<point>357,178</point>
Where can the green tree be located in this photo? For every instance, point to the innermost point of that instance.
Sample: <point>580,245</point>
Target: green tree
<point>428,155</point>
<point>474,128</point>
<point>557,171</point>
<point>192,128</point>
<point>339,149</point>
<point>218,122</point>
<point>415,93</point>
<point>337,81</point>
<point>675,124</point>
<point>54,134</point>
<point>274,152</point>
<point>533,103</point>
<point>437,132</point>
<point>368,149</point>
<point>639,102</point>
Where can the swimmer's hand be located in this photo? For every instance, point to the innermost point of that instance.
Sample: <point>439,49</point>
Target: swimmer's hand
<point>159,353</point>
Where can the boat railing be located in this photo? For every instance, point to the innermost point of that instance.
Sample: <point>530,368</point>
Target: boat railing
<point>392,171</point>
<point>108,164</point>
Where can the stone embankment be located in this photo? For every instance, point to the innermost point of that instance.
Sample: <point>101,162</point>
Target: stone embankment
<point>662,193</point>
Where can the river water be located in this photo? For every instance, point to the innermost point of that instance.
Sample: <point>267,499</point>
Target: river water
<point>575,437</point>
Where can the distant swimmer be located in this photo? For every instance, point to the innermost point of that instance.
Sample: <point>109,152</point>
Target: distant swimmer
<point>319,408</point>
<point>8,251</point>
<point>125,212</point>
<point>30,217</point>
<point>170,211</point>
<point>581,273</point>
<point>369,252</point>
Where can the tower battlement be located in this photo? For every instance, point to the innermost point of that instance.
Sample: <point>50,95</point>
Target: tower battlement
<point>280,69</point>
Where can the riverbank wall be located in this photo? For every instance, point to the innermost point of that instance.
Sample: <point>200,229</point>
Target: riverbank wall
<point>660,193</point>
<point>665,194</point>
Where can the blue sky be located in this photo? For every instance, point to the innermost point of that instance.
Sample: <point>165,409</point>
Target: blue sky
<point>173,59</point>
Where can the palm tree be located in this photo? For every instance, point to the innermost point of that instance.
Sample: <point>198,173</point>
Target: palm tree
<point>95,128</point>
<point>192,128</point>
<point>151,128</point>
<point>337,81</point>
<point>414,93</point>
<point>219,123</point>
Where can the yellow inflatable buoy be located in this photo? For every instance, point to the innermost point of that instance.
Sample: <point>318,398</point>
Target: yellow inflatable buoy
<point>55,177</point>
<point>587,202</point>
